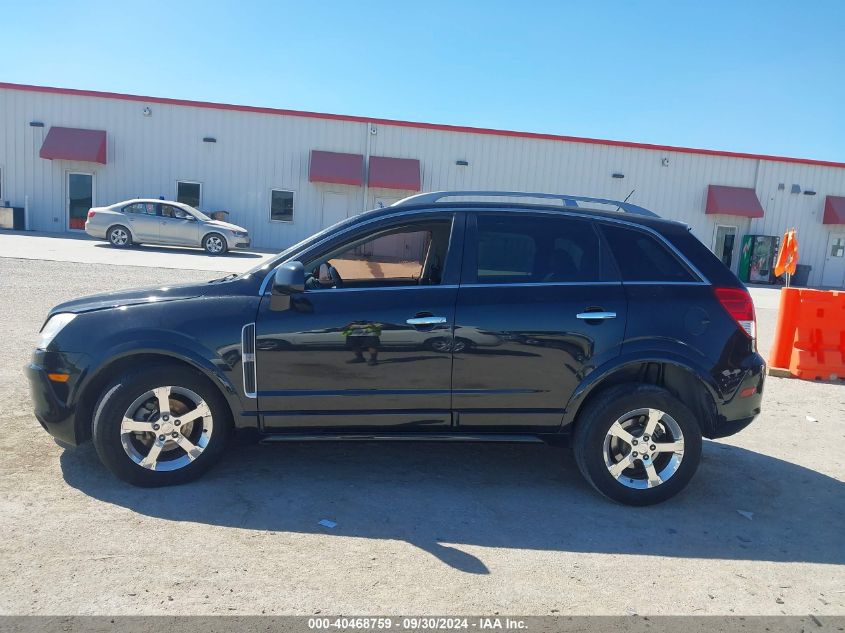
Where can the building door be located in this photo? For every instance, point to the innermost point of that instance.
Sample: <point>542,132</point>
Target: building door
<point>834,263</point>
<point>80,198</point>
<point>335,208</point>
<point>724,244</point>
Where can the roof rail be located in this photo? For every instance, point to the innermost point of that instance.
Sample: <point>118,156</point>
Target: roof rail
<point>568,201</point>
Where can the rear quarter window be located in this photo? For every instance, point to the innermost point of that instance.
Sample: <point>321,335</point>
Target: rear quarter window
<point>642,257</point>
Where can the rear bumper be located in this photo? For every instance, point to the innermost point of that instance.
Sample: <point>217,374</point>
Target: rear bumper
<point>55,402</point>
<point>745,404</point>
<point>95,231</point>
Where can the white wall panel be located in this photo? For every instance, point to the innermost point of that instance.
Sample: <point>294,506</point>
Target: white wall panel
<point>255,152</point>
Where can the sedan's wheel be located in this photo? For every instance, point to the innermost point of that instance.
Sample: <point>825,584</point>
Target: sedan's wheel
<point>119,237</point>
<point>160,426</point>
<point>214,244</point>
<point>637,444</point>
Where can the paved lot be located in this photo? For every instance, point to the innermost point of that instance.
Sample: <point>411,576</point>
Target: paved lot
<point>420,528</point>
<point>84,249</point>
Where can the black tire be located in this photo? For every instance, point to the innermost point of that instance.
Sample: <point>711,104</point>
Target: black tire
<point>120,395</point>
<point>594,423</point>
<point>119,236</point>
<point>210,244</point>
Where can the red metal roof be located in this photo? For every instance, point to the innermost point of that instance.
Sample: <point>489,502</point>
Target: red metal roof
<point>69,143</point>
<point>394,173</point>
<point>834,210</point>
<point>412,124</point>
<point>333,167</point>
<point>739,201</point>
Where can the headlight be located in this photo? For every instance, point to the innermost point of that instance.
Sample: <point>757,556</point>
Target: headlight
<point>240,233</point>
<point>53,327</point>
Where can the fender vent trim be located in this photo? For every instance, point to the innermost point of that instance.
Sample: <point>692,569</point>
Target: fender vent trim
<point>248,360</point>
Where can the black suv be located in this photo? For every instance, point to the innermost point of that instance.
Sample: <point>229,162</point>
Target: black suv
<point>575,318</point>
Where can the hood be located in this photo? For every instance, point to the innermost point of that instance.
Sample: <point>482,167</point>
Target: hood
<point>225,225</point>
<point>131,297</point>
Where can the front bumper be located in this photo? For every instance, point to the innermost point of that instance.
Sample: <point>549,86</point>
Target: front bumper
<point>55,402</point>
<point>241,242</point>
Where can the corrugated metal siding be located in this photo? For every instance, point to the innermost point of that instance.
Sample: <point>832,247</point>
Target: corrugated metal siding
<point>257,152</point>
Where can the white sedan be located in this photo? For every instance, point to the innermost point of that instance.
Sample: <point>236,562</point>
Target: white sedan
<point>149,221</point>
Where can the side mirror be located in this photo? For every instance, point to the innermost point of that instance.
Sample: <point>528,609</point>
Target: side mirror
<point>289,279</point>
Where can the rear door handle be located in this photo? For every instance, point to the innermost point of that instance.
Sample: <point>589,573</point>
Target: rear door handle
<point>589,316</point>
<point>426,320</point>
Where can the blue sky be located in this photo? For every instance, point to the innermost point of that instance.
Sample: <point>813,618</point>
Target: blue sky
<point>765,77</point>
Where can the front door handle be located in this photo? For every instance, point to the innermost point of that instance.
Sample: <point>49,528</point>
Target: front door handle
<point>589,316</point>
<point>426,321</point>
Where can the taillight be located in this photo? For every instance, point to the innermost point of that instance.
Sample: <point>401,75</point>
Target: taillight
<point>737,302</point>
<point>91,214</point>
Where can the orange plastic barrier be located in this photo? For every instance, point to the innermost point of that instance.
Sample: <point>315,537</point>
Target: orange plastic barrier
<point>810,334</point>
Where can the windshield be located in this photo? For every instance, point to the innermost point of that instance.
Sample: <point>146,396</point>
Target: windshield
<point>199,214</point>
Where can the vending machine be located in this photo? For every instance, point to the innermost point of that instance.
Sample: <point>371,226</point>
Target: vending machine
<point>757,259</point>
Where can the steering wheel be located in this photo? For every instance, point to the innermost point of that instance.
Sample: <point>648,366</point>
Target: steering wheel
<point>337,281</point>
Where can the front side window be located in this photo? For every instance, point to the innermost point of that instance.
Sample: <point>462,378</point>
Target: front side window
<point>189,193</point>
<point>144,208</point>
<point>520,248</point>
<point>642,257</point>
<point>281,205</point>
<point>170,211</point>
<point>407,255</point>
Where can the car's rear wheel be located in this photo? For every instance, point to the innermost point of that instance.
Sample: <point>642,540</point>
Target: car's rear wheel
<point>214,244</point>
<point>160,425</point>
<point>120,237</point>
<point>637,444</point>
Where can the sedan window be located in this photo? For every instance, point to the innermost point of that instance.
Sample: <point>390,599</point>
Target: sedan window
<point>144,208</point>
<point>169,211</point>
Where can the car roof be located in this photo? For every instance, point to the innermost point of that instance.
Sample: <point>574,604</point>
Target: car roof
<point>152,200</point>
<point>654,222</point>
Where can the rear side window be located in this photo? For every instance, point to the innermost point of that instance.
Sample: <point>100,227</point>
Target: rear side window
<point>146,208</point>
<point>642,257</point>
<point>523,248</point>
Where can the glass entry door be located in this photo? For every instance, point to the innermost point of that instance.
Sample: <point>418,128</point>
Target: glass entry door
<point>724,244</point>
<point>80,198</point>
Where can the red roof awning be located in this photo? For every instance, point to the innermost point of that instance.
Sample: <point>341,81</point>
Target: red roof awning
<point>394,173</point>
<point>739,201</point>
<point>339,169</point>
<point>834,210</point>
<point>70,143</point>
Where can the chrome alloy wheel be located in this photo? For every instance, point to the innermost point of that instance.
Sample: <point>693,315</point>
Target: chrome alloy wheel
<point>643,448</point>
<point>214,244</point>
<point>166,428</point>
<point>119,237</point>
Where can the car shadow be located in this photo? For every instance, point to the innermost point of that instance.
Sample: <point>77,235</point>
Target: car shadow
<point>185,250</point>
<point>444,497</point>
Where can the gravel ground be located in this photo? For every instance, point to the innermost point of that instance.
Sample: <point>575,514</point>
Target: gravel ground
<point>427,529</point>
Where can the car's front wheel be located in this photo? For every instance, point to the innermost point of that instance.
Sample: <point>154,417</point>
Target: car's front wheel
<point>214,244</point>
<point>160,425</point>
<point>120,237</point>
<point>637,444</point>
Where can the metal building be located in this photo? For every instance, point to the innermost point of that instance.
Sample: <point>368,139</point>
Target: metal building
<point>285,174</point>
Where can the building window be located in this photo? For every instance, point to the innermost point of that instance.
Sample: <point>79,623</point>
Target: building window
<point>189,193</point>
<point>281,205</point>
